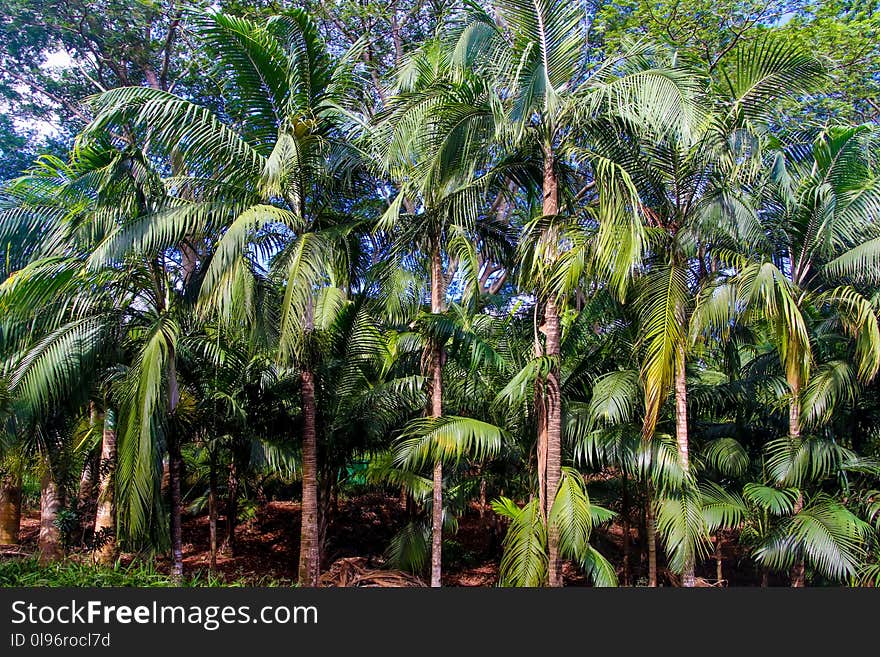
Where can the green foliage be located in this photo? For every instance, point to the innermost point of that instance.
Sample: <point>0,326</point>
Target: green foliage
<point>256,199</point>
<point>30,573</point>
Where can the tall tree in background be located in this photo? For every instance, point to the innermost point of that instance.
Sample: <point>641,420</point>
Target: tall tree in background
<point>435,135</point>
<point>271,180</point>
<point>533,54</point>
<point>821,218</point>
<point>695,188</point>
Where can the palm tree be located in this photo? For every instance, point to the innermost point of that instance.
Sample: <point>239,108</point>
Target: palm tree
<point>262,188</point>
<point>119,316</point>
<point>692,187</point>
<point>433,137</point>
<point>547,100</point>
<point>822,239</point>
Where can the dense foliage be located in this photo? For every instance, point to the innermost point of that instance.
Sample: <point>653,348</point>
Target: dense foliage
<point>581,267</point>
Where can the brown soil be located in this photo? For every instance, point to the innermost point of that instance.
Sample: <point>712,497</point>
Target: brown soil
<point>267,546</point>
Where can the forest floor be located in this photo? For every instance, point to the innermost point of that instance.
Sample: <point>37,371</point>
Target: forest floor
<point>267,546</point>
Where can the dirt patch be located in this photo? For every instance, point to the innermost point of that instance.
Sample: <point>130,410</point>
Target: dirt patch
<point>267,548</point>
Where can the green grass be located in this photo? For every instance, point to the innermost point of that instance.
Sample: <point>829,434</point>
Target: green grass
<point>29,572</point>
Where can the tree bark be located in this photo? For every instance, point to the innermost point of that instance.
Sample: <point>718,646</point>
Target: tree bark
<point>651,531</point>
<point>541,424</point>
<point>175,474</point>
<point>681,439</point>
<point>212,510</point>
<point>175,470</point>
<point>90,474</point>
<point>10,509</point>
<point>624,517</point>
<point>50,545</point>
<point>552,390</point>
<point>231,507</point>
<point>798,571</point>
<point>105,514</point>
<point>437,293</point>
<point>308,544</point>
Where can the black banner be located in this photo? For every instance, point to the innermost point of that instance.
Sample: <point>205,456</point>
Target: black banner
<point>393,621</point>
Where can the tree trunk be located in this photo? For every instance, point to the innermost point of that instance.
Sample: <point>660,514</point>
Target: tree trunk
<point>552,390</point>
<point>175,470</point>
<point>437,293</point>
<point>651,531</point>
<point>50,545</point>
<point>231,507</point>
<point>308,543</point>
<point>90,474</point>
<point>681,439</point>
<point>798,571</point>
<point>624,517</point>
<point>541,424</point>
<point>10,509</point>
<point>719,560</point>
<point>175,475</point>
<point>105,514</point>
<point>212,509</point>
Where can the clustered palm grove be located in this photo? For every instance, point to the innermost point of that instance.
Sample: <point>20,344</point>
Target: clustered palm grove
<point>632,293</point>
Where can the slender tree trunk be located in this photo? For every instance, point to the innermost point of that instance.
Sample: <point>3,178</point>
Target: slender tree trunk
<point>165,485</point>
<point>798,571</point>
<point>87,482</point>
<point>437,293</point>
<point>308,544</point>
<point>231,507</point>
<point>541,423</point>
<point>90,474</point>
<point>51,501</point>
<point>10,509</point>
<point>719,560</point>
<point>212,509</point>
<point>552,390</point>
<point>175,475</point>
<point>105,514</point>
<point>175,469</point>
<point>325,502</point>
<point>651,531</point>
<point>681,438</point>
<point>624,517</point>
